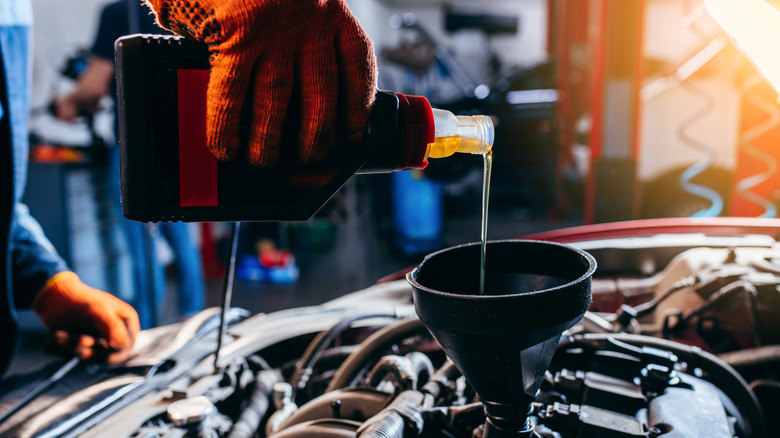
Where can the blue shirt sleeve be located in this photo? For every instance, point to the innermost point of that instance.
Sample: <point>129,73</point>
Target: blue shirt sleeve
<point>33,258</point>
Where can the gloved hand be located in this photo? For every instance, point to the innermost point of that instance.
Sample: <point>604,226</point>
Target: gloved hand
<point>89,323</point>
<point>264,49</point>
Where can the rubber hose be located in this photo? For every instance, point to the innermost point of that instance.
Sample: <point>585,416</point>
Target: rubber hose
<point>400,368</point>
<point>373,345</point>
<point>352,404</point>
<point>305,366</point>
<point>401,414</point>
<point>247,424</point>
<point>441,379</point>
<point>766,384</point>
<point>321,429</point>
<point>720,372</point>
<point>391,426</point>
<point>752,356</point>
<point>421,365</point>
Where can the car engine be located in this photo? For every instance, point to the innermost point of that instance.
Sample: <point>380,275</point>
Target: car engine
<point>680,339</point>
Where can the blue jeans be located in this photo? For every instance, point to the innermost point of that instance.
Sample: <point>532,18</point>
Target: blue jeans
<point>148,278</point>
<point>148,272</point>
<point>189,273</point>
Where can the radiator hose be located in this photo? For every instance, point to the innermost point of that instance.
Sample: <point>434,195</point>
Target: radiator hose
<point>247,424</point>
<point>401,415</point>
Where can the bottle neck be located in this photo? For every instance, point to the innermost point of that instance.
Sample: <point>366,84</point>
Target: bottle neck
<point>399,130</point>
<point>404,131</point>
<point>464,134</point>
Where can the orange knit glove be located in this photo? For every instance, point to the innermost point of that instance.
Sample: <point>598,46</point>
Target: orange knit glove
<point>89,323</point>
<point>266,49</point>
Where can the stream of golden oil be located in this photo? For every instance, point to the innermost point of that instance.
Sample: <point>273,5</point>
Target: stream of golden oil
<point>488,169</point>
<point>446,146</point>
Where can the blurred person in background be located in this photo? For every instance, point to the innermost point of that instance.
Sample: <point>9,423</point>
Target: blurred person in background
<point>116,20</point>
<point>260,50</point>
<point>263,53</point>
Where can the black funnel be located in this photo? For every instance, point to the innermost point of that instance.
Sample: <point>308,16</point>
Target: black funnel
<point>503,340</point>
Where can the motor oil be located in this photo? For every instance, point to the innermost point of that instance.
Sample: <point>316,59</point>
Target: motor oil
<point>487,171</point>
<point>168,174</point>
<point>464,134</point>
<point>473,135</point>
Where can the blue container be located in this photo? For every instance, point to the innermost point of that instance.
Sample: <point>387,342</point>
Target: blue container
<point>417,212</point>
<point>249,269</point>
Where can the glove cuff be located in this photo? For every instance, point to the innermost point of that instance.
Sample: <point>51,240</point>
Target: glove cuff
<point>56,285</point>
<point>156,7</point>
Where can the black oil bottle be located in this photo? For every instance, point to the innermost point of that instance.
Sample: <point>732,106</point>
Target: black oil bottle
<point>168,174</point>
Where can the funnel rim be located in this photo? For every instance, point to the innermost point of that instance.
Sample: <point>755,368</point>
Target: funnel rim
<point>410,276</point>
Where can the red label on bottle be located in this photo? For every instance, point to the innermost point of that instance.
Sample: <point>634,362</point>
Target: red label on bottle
<point>197,166</point>
<point>419,131</point>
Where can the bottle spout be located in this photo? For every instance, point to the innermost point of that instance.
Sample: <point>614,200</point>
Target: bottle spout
<point>476,134</point>
<point>464,134</point>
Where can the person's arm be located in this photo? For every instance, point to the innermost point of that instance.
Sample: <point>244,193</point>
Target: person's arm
<point>91,86</point>
<point>84,321</point>
<point>33,258</point>
<point>307,57</point>
<point>95,81</point>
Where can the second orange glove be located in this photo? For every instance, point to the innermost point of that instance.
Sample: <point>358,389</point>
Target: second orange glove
<point>261,50</point>
<point>87,322</point>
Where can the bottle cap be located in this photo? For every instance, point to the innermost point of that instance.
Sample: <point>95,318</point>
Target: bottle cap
<point>191,410</point>
<point>419,131</point>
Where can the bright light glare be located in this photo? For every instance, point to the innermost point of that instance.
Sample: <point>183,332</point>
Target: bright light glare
<point>755,27</point>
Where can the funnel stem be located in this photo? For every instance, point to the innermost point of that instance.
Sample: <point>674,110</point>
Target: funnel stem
<point>505,420</point>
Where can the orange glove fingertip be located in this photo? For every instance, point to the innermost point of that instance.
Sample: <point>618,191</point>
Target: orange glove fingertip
<point>130,317</point>
<point>221,151</point>
<point>85,353</point>
<point>119,336</point>
<point>118,357</point>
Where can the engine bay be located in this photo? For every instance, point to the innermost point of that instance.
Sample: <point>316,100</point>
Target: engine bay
<point>680,340</point>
